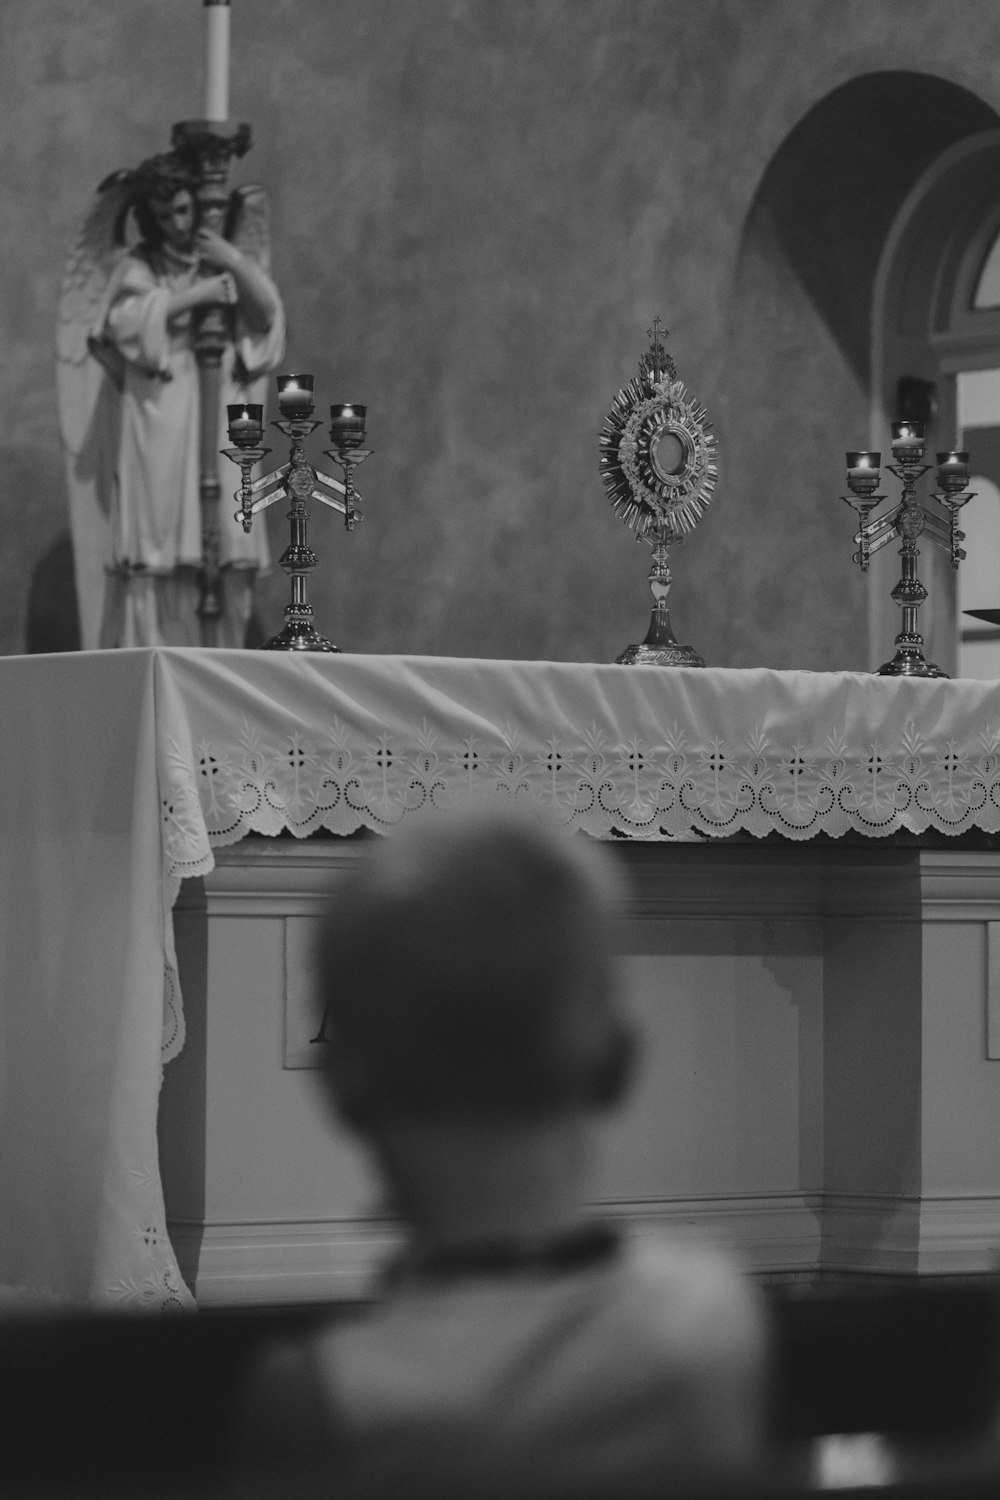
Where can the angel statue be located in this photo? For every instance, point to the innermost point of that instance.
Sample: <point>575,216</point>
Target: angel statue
<point>129,404</point>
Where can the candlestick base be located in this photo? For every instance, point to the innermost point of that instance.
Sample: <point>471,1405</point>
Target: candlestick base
<point>299,636</point>
<point>909,660</point>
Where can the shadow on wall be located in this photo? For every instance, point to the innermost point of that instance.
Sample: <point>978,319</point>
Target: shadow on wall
<point>53,622</point>
<point>800,356</point>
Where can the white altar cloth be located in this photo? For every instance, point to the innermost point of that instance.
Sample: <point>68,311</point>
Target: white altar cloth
<point>122,770</point>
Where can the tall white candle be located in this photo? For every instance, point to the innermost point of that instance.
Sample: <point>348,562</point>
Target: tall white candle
<point>216,59</point>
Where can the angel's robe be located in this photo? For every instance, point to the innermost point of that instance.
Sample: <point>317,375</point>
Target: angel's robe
<point>155,502</point>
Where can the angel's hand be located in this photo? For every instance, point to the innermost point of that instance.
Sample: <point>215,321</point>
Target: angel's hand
<point>220,288</point>
<point>206,292</point>
<point>215,250</point>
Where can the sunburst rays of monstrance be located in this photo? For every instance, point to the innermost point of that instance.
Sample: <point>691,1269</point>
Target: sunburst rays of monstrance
<point>659,466</point>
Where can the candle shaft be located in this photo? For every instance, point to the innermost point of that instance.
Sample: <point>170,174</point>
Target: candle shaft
<point>217,59</point>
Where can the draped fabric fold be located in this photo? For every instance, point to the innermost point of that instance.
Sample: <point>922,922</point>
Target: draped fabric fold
<point>83,929</point>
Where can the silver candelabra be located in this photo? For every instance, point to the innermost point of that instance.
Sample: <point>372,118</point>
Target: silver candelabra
<point>297,481</point>
<point>909,520</point>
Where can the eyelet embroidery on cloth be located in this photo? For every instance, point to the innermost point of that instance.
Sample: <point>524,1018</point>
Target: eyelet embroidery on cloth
<point>161,1289</point>
<point>679,788</point>
<point>153,1280</point>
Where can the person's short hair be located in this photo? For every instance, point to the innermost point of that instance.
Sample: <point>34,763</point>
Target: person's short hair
<point>466,967</point>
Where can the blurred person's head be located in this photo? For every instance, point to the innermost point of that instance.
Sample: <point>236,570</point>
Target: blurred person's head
<point>467,983</point>
<point>465,974</point>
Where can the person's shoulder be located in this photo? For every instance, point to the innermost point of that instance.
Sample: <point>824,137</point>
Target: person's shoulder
<point>692,1295</point>
<point>660,1257</point>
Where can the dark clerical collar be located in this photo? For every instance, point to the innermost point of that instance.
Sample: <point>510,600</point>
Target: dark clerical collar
<point>554,1255</point>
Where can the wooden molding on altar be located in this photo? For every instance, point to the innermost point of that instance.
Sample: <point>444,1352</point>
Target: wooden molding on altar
<point>775,1237</point>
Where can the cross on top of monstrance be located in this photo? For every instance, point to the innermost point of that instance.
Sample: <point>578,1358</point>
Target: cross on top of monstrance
<point>656,363</point>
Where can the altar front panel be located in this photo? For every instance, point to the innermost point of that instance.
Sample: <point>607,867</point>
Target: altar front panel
<point>787,1106</point>
<point>270,1199</point>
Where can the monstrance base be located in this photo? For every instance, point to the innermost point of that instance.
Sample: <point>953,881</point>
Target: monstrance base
<point>298,637</point>
<point>659,656</point>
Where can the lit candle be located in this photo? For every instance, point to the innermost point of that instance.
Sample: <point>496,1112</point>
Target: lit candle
<point>906,436</point>
<point>295,395</point>
<point>347,422</point>
<point>246,423</point>
<point>216,59</point>
<point>953,470</point>
<point>863,471</point>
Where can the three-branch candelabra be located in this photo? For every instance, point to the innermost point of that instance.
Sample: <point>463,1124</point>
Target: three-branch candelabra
<point>909,520</point>
<point>297,481</point>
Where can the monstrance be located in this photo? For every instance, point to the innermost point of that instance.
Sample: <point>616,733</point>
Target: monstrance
<point>658,462</point>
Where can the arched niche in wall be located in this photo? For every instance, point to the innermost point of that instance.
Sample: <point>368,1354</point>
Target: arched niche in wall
<point>937,321</point>
<point>800,382</point>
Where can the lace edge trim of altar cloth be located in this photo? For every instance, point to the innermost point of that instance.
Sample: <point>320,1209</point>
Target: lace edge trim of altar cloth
<point>674,790</point>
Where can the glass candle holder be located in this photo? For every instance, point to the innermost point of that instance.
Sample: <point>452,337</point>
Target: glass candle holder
<point>863,472</point>
<point>347,424</point>
<point>953,471</point>
<point>246,424</point>
<point>907,440</point>
<point>295,395</point>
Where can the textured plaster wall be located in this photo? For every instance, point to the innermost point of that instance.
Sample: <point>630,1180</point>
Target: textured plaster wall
<point>478,207</point>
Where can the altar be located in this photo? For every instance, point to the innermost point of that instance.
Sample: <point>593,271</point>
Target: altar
<point>811,943</point>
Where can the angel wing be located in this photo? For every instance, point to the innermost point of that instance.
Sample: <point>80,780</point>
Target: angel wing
<point>99,247</point>
<point>248,224</point>
<point>87,399</point>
